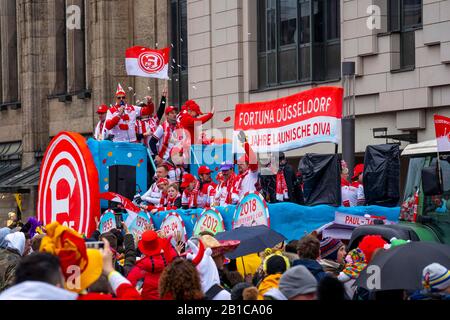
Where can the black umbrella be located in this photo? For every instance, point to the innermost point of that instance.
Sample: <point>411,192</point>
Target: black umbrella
<point>400,268</point>
<point>253,239</point>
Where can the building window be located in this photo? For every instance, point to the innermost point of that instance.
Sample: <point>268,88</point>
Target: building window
<point>405,16</point>
<point>70,47</point>
<point>76,48</point>
<point>179,52</point>
<point>298,41</point>
<point>9,77</point>
<point>60,48</point>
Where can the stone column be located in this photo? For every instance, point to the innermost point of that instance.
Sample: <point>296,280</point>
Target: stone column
<point>76,48</point>
<point>33,21</point>
<point>8,40</point>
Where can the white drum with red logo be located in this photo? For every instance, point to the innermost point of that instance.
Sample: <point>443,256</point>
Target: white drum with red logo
<point>252,210</point>
<point>68,184</point>
<point>172,225</point>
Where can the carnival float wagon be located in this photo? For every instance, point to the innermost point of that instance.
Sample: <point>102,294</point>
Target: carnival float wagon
<point>82,181</point>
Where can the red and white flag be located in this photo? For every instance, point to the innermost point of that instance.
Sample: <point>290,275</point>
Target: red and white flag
<point>145,62</point>
<point>442,127</point>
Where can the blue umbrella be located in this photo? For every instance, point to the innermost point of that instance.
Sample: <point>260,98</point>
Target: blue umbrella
<point>253,239</point>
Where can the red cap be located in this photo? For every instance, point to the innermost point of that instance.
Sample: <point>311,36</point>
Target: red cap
<point>169,109</point>
<point>102,109</point>
<point>204,170</point>
<point>193,106</point>
<point>359,168</point>
<point>187,179</point>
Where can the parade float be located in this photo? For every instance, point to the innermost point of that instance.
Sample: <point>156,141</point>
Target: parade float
<point>82,181</point>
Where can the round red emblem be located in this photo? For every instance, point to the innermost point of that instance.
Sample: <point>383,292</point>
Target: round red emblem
<point>68,184</point>
<point>151,62</point>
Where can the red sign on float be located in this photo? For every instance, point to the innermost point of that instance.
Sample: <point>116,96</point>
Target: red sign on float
<point>68,185</point>
<point>292,122</point>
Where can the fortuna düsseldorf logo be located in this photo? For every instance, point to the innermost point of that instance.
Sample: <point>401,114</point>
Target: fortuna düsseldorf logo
<point>68,184</point>
<point>151,62</point>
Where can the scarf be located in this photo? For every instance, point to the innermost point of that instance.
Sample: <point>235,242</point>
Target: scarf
<point>192,196</point>
<point>356,262</point>
<point>239,178</point>
<point>282,190</point>
<point>228,185</point>
<point>168,201</point>
<point>168,129</point>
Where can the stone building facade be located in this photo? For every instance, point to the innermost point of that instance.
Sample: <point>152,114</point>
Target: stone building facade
<point>402,62</point>
<point>59,60</point>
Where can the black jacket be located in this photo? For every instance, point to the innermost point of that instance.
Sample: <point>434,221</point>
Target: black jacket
<point>130,255</point>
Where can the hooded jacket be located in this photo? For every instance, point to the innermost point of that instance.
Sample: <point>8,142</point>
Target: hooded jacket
<point>16,241</point>
<point>149,270</point>
<point>313,266</point>
<point>269,282</point>
<point>207,270</point>
<point>34,290</point>
<point>10,258</point>
<point>3,233</point>
<point>331,266</point>
<point>274,294</point>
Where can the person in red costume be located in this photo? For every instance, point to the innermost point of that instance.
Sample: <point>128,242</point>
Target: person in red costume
<point>189,199</point>
<point>121,118</point>
<point>158,254</point>
<point>100,129</point>
<point>358,183</point>
<point>166,136</point>
<point>207,187</point>
<point>171,201</point>
<point>146,126</point>
<point>189,116</point>
<point>247,178</point>
<point>226,178</point>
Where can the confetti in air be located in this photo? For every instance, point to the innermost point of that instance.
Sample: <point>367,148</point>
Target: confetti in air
<point>172,45</point>
<point>227,119</point>
<point>174,61</point>
<point>130,89</point>
<point>148,88</point>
